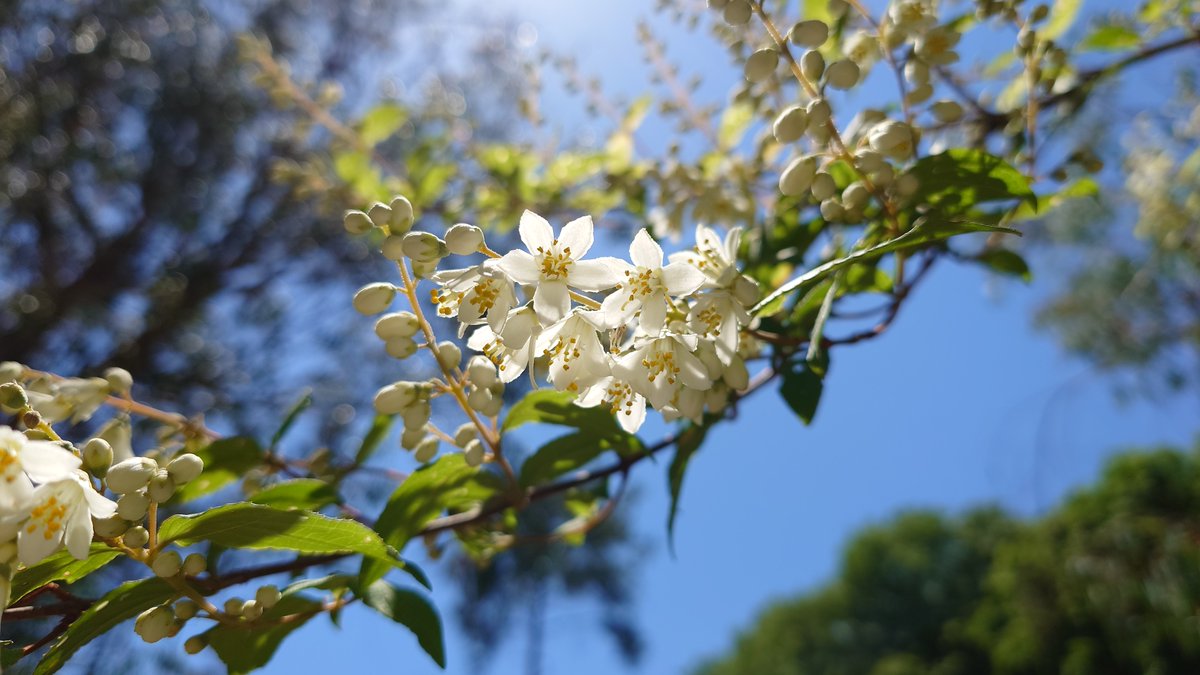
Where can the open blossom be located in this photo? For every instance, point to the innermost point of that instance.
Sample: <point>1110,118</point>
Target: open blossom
<point>715,258</point>
<point>513,348</point>
<point>22,460</point>
<point>646,286</point>
<point>553,266</point>
<point>572,348</point>
<point>473,294</point>
<point>719,316</point>
<point>659,368</point>
<point>628,405</point>
<point>61,512</point>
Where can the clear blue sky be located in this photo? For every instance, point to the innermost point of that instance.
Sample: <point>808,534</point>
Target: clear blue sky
<point>962,402</point>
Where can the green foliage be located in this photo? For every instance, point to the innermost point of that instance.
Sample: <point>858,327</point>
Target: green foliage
<point>412,610</point>
<point>689,441</point>
<point>245,649</point>
<point>61,566</point>
<point>380,427</point>
<point>597,433</point>
<point>303,403</point>
<point>310,494</point>
<point>956,181</point>
<point>801,388</point>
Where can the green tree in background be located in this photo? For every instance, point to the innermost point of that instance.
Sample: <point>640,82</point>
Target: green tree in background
<point>1109,582</point>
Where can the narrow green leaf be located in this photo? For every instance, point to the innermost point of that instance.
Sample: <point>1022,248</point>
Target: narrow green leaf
<point>301,493</point>
<point>61,566</point>
<point>957,180</point>
<point>801,390</point>
<point>1062,15</point>
<point>412,610</point>
<point>381,122</point>
<point>447,484</point>
<point>1007,262</point>
<point>568,453</point>
<point>375,435</point>
<point>687,444</point>
<point>245,649</point>
<point>298,407</point>
<point>547,406</point>
<point>1111,38</point>
<point>121,604</point>
<point>225,461</point>
<point>734,122</point>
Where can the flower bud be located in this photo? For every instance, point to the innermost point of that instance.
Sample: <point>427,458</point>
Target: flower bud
<point>233,606</point>
<point>357,222</point>
<point>194,564</point>
<point>397,324</point>
<point>717,4</point>
<point>716,397</point>
<point>130,475</point>
<point>465,434</point>
<point>97,456</point>
<point>426,449</point>
<point>400,348</point>
<point>481,371</point>
<point>746,290</point>
<point>185,468</point>
<point>736,375</point>
<point>186,609</point>
<point>492,407</point>
<point>811,33</point>
<point>167,563</point>
<point>136,537</point>
<point>380,213</point>
<point>251,610</point>
<point>32,419</point>
<point>161,488</point>
<point>819,113</point>
<point>919,94</point>
<point>374,298</point>
<point>424,269</point>
<point>869,160</point>
<point>154,624</point>
<point>12,396</point>
<point>267,596</point>
<point>842,74</point>
<point>119,434</point>
<point>393,247</point>
<point>790,124</point>
<point>119,380</point>
<point>916,72</point>
<point>412,437</point>
<point>797,176</point>
<point>947,111</point>
<point>107,528</point>
<point>832,210</point>
<point>737,13</point>
<point>812,65</point>
<point>464,239</point>
<point>133,506</point>
<point>401,220</point>
<point>417,415</point>
<point>823,186</point>
<point>448,355</point>
<point>423,247</point>
<point>395,398</point>
<point>10,371</point>
<point>855,195</point>
<point>479,399</point>
<point>761,64</point>
<point>906,185</point>
<point>195,644</point>
<point>473,453</point>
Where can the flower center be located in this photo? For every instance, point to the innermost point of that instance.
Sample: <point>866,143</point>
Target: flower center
<point>10,466</point>
<point>484,294</point>
<point>661,362</point>
<point>555,263</point>
<point>47,516</point>
<point>565,348</point>
<point>447,301</point>
<point>641,283</point>
<point>620,397</point>
<point>497,353</point>
<point>710,319</point>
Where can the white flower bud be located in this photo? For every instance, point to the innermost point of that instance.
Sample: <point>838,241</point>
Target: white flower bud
<point>716,397</point>
<point>400,347</point>
<point>916,72</point>
<point>493,406</point>
<point>906,185</point>
<point>465,434</point>
<point>869,160</point>
<point>464,239</point>
<point>107,528</point>
<point>892,138</point>
<point>392,248</point>
<point>154,624</point>
<point>161,487</point>
<point>233,606</point>
<point>761,64</point>
<point>448,355</point>
<point>380,213</point>
<point>707,353</point>
<point>267,596</point>
<point>10,371</point>
<point>412,437</point>
<point>737,376</point>
<point>119,434</point>
<point>119,380</point>
<point>186,609</point>
<point>746,290</point>
<point>797,176</point>
<point>417,415</point>
<point>185,468</point>
<point>811,33</point>
<point>401,220</point>
<point>823,186</point>
<point>832,210</point>
<point>919,94</point>
<point>737,13</point>
<point>396,398</point>
<point>426,450</point>
<point>357,222</point>
<point>167,564</point>
<point>812,65</point>
<point>842,74</point>
<point>135,537</point>
<point>397,324</point>
<point>838,8</point>
<point>374,298</point>
<point>424,269</point>
<point>195,644</point>
<point>133,506</point>
<point>883,176</point>
<point>947,111</point>
<point>473,453</point>
<point>97,456</point>
<point>130,475</point>
<point>855,195</point>
<point>479,399</point>
<point>481,371</point>
<point>819,113</point>
<point>251,610</point>
<point>790,124</point>
<point>424,247</point>
<point>194,564</point>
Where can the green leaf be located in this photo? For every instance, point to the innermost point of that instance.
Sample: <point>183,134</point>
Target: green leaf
<point>225,461</point>
<point>686,445</point>
<point>412,610</point>
<point>817,9</point>
<point>447,484</point>
<point>801,390</point>
<point>381,122</point>
<point>375,435</point>
<point>1007,262</point>
<point>926,231</point>
<point>120,604</point>
<point>1111,38</point>
<point>301,493</point>
<point>61,566</point>
<point>245,649</point>
<point>298,407</point>
<point>1081,187</point>
<point>568,453</point>
<point>1062,15</point>
<point>734,122</point>
<point>959,179</point>
<point>547,406</point>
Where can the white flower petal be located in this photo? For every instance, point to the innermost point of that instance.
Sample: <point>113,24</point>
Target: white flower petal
<point>44,461</point>
<point>15,490</point>
<point>535,232</point>
<point>520,267</point>
<point>645,252</point>
<point>596,275</point>
<point>632,417</point>
<point>99,505</point>
<point>33,547</point>
<point>551,301</point>
<point>78,535</point>
<point>681,278</point>
<point>691,371</point>
<point>654,315</point>
<point>577,237</point>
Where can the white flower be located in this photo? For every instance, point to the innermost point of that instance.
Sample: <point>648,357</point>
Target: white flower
<point>553,266</point>
<point>719,316</point>
<point>716,259</point>
<point>628,405</point>
<point>22,460</point>
<point>576,357</point>
<point>658,368</point>
<point>61,511</point>
<point>511,350</point>
<point>474,293</point>
<point>646,285</point>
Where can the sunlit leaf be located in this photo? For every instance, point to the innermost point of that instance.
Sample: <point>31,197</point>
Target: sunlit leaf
<point>412,610</point>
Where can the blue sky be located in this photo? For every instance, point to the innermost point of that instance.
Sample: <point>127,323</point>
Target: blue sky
<point>961,403</point>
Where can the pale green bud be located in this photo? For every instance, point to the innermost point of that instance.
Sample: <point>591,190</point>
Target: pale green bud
<point>736,375</point>
<point>907,185</point>
<point>186,609</point>
<point>855,195</point>
<point>481,371</point>
<point>357,222</point>
<point>130,475</point>
<point>154,624</point>
<point>400,347</point>
<point>417,415</point>
<point>761,64</point>
<point>194,564</point>
<point>479,399</point>
<point>133,506</point>
<point>233,606</point>
<point>195,644</point>
<point>97,456</point>
<point>426,449</point>
<point>947,111</point>
<point>402,217</point>
<point>842,74</point>
<point>473,453</point>
<point>746,290</point>
<point>112,526</point>
<point>119,380</point>
<point>251,610</point>
<point>464,239</point>
<point>812,33</point>
<point>424,247</point>
<point>10,371</point>
<point>823,186</point>
<point>393,247</point>
<point>832,210</point>
<point>448,355</point>
<point>423,269</point>
<point>374,298</point>
<point>161,488</point>
<point>397,324</point>
<point>13,396</point>
<point>380,213</point>
<point>412,437</point>
<point>167,564</point>
<point>185,468</point>
<point>136,537</point>
<point>812,65</point>
<point>267,596</point>
<point>737,13</point>
<point>919,94</point>
<point>819,114</point>
<point>797,176</point>
<point>8,552</point>
<point>790,124</point>
<point>396,398</point>
<point>465,434</point>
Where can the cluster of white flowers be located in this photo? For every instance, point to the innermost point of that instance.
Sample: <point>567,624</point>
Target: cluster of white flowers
<point>668,333</point>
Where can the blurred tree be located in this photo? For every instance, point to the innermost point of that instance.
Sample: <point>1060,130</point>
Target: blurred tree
<point>1107,583</point>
